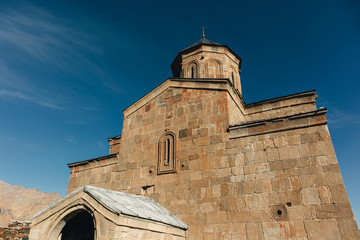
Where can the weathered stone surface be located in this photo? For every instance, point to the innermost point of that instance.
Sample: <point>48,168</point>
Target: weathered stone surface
<point>233,161</point>
<point>310,196</point>
<point>322,229</point>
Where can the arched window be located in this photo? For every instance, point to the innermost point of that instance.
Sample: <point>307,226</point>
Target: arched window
<point>192,70</point>
<point>232,78</point>
<point>166,162</point>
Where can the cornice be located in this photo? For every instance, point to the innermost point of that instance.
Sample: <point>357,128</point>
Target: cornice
<point>279,124</point>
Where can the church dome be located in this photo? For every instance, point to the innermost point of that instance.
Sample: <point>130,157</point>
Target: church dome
<point>208,59</point>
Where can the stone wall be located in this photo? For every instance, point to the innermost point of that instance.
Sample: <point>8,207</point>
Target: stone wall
<point>18,230</point>
<point>281,106</point>
<point>114,144</point>
<point>277,180</point>
<point>95,172</point>
<point>296,170</point>
<point>137,230</point>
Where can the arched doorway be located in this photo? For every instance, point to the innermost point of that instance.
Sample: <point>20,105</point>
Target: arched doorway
<point>79,227</point>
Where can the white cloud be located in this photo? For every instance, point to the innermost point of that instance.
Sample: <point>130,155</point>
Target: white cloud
<point>44,36</point>
<point>71,139</point>
<point>19,95</point>
<point>338,118</point>
<point>101,145</point>
<point>33,41</point>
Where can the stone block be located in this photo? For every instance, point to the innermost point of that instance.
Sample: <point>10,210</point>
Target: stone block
<point>276,165</point>
<point>325,211</point>
<point>343,210</point>
<point>300,212</point>
<point>233,231</point>
<point>248,187</point>
<point>280,142</point>
<point>183,133</point>
<point>201,183</point>
<point>254,231</point>
<point>313,180</point>
<point>331,168</point>
<point>216,217</point>
<point>216,191</point>
<point>256,201</point>
<point>280,184</point>
<point>202,141</point>
<point>310,196</point>
<point>304,150</point>
<point>290,152</point>
<point>259,186</point>
<point>215,139</point>
<point>250,169</point>
<point>326,160</point>
<point>249,157</point>
<point>310,137</point>
<point>293,197</point>
<point>305,162</point>
<point>225,189</point>
<point>295,183</point>
<point>325,194</point>
<point>294,140</point>
<point>339,211</point>
<point>297,230</point>
<point>332,178</point>
<point>338,193</point>
<point>260,156</point>
<point>322,149</point>
<point>262,168</point>
<point>322,229</point>
<point>268,143</point>
<point>348,229</point>
<point>275,230</point>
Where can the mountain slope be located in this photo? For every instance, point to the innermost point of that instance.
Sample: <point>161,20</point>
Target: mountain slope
<point>19,203</point>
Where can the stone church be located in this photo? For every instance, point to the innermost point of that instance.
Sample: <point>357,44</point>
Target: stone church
<point>195,161</point>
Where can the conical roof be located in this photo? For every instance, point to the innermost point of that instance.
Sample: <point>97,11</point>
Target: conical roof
<point>203,41</point>
<point>208,42</point>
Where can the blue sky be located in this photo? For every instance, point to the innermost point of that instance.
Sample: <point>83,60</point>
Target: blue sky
<point>69,68</point>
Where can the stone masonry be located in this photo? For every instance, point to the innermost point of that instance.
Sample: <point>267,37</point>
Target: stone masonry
<point>265,170</point>
<point>17,230</point>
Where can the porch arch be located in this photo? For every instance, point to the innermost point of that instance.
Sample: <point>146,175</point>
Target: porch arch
<point>78,224</point>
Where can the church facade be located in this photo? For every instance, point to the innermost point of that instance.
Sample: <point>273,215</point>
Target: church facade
<point>227,169</point>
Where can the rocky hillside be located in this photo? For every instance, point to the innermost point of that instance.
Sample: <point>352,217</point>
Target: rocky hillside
<point>19,203</point>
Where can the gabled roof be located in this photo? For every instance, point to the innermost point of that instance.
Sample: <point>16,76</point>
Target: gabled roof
<point>127,204</point>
